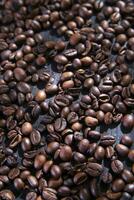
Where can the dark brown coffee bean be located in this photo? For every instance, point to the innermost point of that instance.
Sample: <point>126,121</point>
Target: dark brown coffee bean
<point>55,171</point>
<point>117,166</point>
<point>35,137</point>
<point>126,196</point>
<point>31,196</point>
<point>107,140</point>
<point>13,173</point>
<point>91,121</point>
<point>7,194</point>
<point>40,96</point>
<point>122,150</point>
<point>113,195</point>
<point>32,181</point>
<point>80,178</point>
<point>26,128</point>
<point>19,74</point>
<point>109,152</point>
<point>65,153</point>
<point>39,161</point>
<point>93,135</point>
<point>131,155</point>
<point>106,177</point>
<point>126,140</point>
<point>128,121</point>
<point>23,87</point>
<point>93,169</point>
<point>60,124</point>
<point>106,107</point>
<point>129,188</point>
<point>83,146</point>
<point>99,153</point>
<point>49,193</point>
<point>61,59</point>
<point>127,176</point>
<point>19,184</point>
<point>26,144</point>
<point>118,185</point>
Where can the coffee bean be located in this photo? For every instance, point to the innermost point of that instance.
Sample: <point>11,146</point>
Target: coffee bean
<point>129,188</point>
<point>107,140</point>
<point>55,171</point>
<point>91,121</point>
<point>23,87</point>
<point>128,121</point>
<point>65,153</point>
<point>106,177</point>
<point>31,196</point>
<point>126,140</point>
<point>18,184</point>
<point>99,153</point>
<point>26,128</point>
<point>80,178</point>
<point>19,74</point>
<point>25,144</point>
<point>40,96</point>
<point>35,137</point>
<point>93,169</point>
<point>117,166</point>
<point>122,150</point>
<point>126,196</point>
<point>131,155</point>
<point>127,176</point>
<point>60,124</point>
<point>32,181</point>
<point>39,161</point>
<point>118,185</point>
<point>83,146</point>
<point>7,194</point>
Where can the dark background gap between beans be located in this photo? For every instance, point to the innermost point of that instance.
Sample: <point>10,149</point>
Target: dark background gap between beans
<point>114,129</point>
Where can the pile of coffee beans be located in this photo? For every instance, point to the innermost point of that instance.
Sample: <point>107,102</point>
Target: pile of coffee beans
<point>56,90</point>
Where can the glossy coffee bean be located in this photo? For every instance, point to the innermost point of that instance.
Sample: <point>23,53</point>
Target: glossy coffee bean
<point>39,161</point>
<point>26,128</point>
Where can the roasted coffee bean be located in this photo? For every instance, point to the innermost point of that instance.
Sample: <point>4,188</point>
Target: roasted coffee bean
<point>129,188</point>
<point>35,137</point>
<point>117,166</point>
<point>91,121</point>
<point>93,169</point>
<point>19,74</point>
<point>127,176</point>
<point>13,173</point>
<point>18,184</point>
<point>128,121</point>
<point>39,161</point>
<point>126,140</point>
<point>55,171</point>
<point>125,196</point>
<point>118,185</point>
<point>26,128</point>
<point>40,96</point>
<point>32,181</point>
<point>106,177</point>
<point>131,155</point>
<point>60,124</point>
<point>7,194</point>
<point>65,153</point>
<point>80,178</point>
<point>83,146</point>
<point>107,140</point>
<point>31,196</point>
<point>122,150</point>
<point>109,152</point>
<point>99,153</point>
<point>26,144</point>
